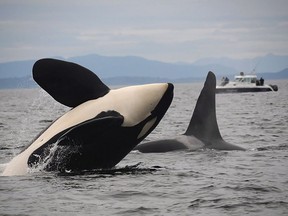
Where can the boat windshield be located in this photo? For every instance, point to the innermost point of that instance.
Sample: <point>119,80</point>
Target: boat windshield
<point>245,79</point>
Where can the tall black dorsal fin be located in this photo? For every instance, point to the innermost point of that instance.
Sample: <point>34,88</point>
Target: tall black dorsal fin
<point>68,83</point>
<point>203,123</point>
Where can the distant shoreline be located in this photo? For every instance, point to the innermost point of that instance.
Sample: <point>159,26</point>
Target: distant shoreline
<point>28,82</point>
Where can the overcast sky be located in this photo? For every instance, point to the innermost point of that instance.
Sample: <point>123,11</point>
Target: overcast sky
<point>165,30</point>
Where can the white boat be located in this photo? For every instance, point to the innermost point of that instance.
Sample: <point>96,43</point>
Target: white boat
<point>244,83</point>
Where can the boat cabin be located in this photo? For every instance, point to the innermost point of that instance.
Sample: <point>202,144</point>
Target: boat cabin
<point>244,79</point>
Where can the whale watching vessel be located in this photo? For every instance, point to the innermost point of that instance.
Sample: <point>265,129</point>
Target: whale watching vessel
<point>244,83</point>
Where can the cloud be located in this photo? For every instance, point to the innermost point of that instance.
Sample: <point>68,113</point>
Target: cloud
<point>167,30</point>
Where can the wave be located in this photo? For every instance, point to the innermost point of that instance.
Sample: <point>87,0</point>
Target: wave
<point>126,170</point>
<point>277,148</point>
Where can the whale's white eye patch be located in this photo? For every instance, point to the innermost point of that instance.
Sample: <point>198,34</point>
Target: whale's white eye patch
<point>146,127</point>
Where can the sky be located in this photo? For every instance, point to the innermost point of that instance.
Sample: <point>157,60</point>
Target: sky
<point>164,30</point>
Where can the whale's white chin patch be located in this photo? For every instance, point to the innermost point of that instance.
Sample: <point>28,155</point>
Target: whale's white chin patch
<point>146,127</point>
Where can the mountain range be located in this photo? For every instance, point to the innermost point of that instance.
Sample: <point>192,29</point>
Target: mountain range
<point>138,70</point>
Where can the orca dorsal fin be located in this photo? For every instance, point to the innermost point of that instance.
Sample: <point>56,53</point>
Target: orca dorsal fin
<point>203,123</point>
<point>68,83</point>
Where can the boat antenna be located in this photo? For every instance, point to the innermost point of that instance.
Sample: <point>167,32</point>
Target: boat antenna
<point>254,69</point>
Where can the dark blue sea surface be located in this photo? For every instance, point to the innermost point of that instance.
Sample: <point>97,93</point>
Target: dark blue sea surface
<point>205,182</point>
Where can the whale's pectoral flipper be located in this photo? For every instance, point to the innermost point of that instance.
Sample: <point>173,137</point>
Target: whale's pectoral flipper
<point>203,123</point>
<point>76,147</point>
<point>67,82</point>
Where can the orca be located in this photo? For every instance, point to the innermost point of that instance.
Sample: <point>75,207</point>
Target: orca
<point>202,132</point>
<point>102,127</point>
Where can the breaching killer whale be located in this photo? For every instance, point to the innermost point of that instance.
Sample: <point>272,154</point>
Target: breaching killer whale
<point>202,132</point>
<point>102,127</point>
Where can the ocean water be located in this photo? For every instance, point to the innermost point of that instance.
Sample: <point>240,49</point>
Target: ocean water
<point>205,182</point>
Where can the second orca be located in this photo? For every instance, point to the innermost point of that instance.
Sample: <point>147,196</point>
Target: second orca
<point>202,132</point>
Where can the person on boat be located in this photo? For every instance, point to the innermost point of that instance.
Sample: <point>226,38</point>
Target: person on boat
<point>224,81</point>
<point>261,81</point>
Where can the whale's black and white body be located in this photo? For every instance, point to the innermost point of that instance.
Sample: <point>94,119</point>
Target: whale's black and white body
<point>202,132</point>
<point>103,125</point>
